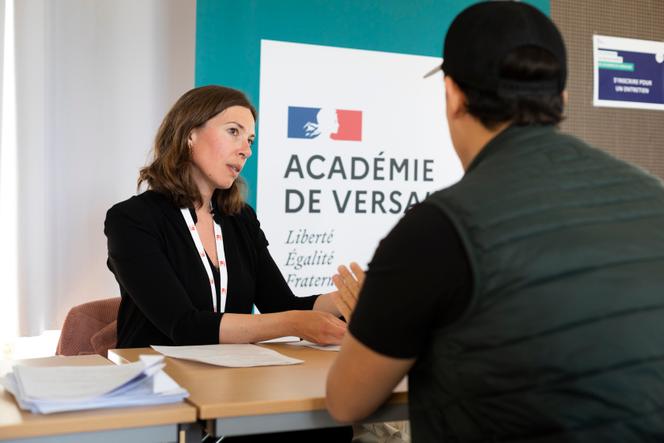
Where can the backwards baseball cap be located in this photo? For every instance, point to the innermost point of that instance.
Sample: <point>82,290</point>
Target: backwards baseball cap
<point>481,36</point>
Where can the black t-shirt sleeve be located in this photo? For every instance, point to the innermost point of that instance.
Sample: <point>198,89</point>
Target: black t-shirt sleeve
<point>418,280</point>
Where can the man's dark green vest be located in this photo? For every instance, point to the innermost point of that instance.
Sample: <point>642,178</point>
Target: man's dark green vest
<point>563,339</point>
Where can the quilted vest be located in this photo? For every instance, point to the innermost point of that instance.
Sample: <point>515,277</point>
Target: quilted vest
<point>563,339</point>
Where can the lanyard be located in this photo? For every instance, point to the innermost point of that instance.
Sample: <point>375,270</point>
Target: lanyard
<point>221,256</point>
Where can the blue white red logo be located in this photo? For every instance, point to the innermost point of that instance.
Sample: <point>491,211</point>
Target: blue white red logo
<point>335,124</point>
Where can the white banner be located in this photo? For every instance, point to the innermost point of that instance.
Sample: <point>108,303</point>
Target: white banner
<point>349,139</point>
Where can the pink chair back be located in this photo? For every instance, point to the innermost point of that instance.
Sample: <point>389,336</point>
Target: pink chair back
<point>90,328</point>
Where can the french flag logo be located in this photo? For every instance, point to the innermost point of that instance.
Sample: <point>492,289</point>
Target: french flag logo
<point>336,124</point>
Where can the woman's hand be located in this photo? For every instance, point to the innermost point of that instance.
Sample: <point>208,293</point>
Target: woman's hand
<point>318,327</point>
<point>349,284</point>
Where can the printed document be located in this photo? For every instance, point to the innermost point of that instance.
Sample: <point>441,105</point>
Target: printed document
<point>233,356</point>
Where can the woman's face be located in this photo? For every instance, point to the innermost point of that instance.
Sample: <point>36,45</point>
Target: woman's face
<point>220,148</point>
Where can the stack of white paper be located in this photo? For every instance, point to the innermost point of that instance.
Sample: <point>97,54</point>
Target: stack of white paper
<point>234,356</point>
<point>67,388</point>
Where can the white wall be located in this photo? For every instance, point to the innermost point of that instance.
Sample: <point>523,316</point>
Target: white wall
<point>94,77</point>
<point>2,48</point>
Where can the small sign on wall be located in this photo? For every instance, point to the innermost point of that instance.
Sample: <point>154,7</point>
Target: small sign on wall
<point>628,73</point>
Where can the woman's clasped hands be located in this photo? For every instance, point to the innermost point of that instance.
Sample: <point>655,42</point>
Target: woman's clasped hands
<point>320,325</point>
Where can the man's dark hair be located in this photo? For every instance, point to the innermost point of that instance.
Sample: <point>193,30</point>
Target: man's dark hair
<point>525,106</point>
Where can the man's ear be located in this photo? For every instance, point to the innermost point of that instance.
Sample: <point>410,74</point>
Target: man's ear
<point>565,97</point>
<point>455,98</point>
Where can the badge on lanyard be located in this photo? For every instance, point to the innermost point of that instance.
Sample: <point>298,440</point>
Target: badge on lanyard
<point>221,256</point>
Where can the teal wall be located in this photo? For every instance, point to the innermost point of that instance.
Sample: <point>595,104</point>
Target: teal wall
<point>228,35</point>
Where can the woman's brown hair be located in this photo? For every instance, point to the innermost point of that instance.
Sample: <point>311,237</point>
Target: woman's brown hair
<point>170,169</point>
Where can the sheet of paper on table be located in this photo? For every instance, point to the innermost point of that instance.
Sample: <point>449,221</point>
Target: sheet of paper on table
<point>234,356</point>
<point>284,339</point>
<point>309,344</point>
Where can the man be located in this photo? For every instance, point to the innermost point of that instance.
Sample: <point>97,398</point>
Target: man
<point>526,302</point>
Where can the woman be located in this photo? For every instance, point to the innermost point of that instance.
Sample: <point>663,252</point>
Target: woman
<point>189,254</point>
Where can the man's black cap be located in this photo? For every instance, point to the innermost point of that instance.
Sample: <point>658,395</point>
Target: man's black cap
<point>482,35</point>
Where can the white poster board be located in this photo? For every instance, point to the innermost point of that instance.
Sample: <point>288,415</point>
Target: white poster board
<point>349,139</point>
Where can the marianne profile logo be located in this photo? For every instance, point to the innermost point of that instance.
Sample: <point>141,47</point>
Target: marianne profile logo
<point>335,124</point>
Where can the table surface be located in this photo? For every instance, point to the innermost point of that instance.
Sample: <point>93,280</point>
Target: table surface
<point>219,392</point>
<point>16,423</point>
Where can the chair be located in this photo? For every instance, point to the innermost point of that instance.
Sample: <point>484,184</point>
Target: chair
<point>90,328</point>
